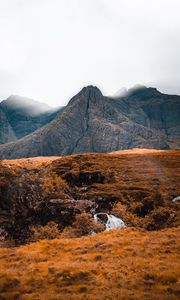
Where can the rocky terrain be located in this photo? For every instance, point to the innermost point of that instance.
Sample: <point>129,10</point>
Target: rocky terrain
<point>56,197</point>
<point>142,117</point>
<point>20,116</point>
<point>136,185</point>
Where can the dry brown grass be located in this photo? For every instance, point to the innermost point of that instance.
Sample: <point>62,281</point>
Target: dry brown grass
<point>30,163</point>
<point>131,170</point>
<point>127,264</point>
<point>141,180</point>
<point>49,232</point>
<point>120,264</point>
<point>39,190</point>
<point>137,151</point>
<point>83,225</point>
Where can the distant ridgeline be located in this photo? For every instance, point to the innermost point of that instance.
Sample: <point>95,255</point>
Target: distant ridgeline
<point>20,116</point>
<point>138,118</point>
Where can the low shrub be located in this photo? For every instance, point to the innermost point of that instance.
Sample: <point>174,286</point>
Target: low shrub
<point>159,218</point>
<point>150,213</point>
<point>53,183</point>
<point>123,212</point>
<point>145,206</point>
<point>84,224</point>
<point>49,231</point>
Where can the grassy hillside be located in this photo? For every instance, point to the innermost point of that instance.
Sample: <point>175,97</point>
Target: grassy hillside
<point>138,262</point>
<point>119,264</point>
<point>138,186</point>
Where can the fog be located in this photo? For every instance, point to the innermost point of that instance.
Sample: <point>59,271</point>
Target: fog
<point>50,49</point>
<point>28,106</point>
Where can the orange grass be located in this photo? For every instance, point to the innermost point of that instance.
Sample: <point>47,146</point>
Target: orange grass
<point>126,264</point>
<point>126,183</point>
<point>119,264</point>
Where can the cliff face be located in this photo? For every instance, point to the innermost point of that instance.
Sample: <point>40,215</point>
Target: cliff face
<point>21,116</point>
<point>143,118</point>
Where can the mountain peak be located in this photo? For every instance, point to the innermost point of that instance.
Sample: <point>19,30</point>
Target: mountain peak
<point>137,91</point>
<point>25,105</point>
<point>142,89</point>
<point>89,92</point>
<point>91,88</point>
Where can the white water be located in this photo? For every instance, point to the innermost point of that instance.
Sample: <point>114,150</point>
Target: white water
<point>176,199</point>
<point>112,222</point>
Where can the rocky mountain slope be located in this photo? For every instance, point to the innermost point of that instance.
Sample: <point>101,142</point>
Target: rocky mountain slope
<point>142,117</point>
<point>20,116</point>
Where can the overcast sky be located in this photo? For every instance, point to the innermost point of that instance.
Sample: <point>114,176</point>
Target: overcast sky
<point>50,49</point>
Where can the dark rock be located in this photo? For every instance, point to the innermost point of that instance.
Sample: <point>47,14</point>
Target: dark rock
<point>143,118</point>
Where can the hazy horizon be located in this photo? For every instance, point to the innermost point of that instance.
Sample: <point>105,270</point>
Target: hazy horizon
<point>52,49</point>
<point>115,95</point>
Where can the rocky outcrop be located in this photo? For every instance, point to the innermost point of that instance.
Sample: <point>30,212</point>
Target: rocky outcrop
<point>91,122</point>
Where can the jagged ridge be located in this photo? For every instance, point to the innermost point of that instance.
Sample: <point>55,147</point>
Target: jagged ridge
<point>91,122</point>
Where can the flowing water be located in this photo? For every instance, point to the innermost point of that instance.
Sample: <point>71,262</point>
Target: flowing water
<point>176,199</point>
<point>110,222</point>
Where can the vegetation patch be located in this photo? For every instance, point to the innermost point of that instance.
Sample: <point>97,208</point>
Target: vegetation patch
<point>138,188</point>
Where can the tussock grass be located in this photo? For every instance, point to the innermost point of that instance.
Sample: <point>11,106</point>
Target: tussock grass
<point>120,264</point>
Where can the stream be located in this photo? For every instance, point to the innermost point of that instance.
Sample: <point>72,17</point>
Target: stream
<point>109,221</point>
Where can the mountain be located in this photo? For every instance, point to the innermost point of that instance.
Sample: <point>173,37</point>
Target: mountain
<point>91,122</point>
<point>20,116</point>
